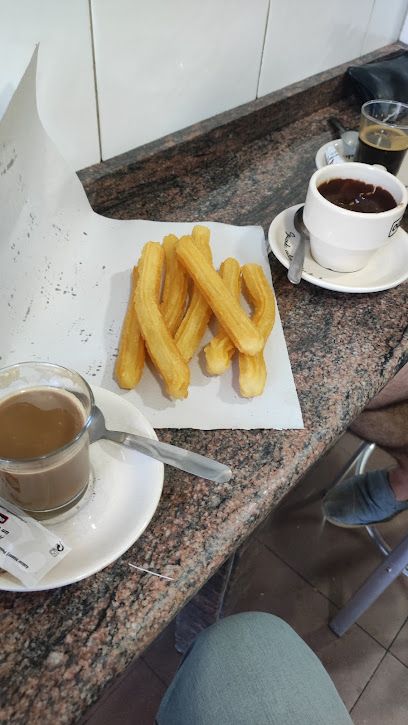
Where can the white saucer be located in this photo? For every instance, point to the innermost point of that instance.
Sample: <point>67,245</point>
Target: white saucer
<point>387,268</point>
<point>320,158</point>
<point>116,508</point>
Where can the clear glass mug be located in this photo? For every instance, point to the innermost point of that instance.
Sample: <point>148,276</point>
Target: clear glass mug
<point>59,477</point>
<point>383,134</point>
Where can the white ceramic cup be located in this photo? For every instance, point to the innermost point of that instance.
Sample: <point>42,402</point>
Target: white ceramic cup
<point>344,240</point>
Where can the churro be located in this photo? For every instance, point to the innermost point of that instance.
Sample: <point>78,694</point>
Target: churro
<point>252,369</point>
<point>196,319</point>
<point>227,310</point>
<point>131,354</point>
<point>159,342</point>
<point>219,351</point>
<point>175,286</point>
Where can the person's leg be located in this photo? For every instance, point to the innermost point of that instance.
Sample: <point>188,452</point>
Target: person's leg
<point>377,495</point>
<point>398,477</point>
<point>251,669</point>
<point>388,428</point>
<point>395,391</point>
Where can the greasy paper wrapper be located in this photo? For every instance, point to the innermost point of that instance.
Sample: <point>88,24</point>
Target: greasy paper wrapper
<point>65,280</point>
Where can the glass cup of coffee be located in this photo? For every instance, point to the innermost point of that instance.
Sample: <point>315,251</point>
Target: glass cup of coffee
<point>383,134</point>
<point>45,414</point>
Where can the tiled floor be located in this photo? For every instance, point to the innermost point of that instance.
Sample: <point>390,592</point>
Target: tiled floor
<point>304,571</point>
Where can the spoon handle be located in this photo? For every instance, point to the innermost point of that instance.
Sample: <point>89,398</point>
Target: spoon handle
<point>337,125</point>
<point>174,456</point>
<point>296,263</point>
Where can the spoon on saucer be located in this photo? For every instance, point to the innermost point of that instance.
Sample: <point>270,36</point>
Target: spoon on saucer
<point>349,138</point>
<point>172,455</point>
<point>296,263</point>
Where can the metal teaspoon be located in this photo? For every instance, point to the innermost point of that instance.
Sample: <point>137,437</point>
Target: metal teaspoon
<point>296,263</point>
<point>349,138</point>
<point>172,455</point>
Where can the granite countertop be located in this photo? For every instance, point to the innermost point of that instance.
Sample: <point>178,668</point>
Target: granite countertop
<point>60,648</point>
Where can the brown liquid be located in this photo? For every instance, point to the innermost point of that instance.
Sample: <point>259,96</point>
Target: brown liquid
<point>379,145</point>
<point>356,195</point>
<point>35,423</point>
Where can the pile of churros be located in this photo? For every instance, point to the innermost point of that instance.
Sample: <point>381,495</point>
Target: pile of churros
<point>174,293</point>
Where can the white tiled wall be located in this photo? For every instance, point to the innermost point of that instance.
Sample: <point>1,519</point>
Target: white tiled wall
<point>385,22</point>
<point>404,31</point>
<point>304,38</point>
<point>66,88</point>
<point>162,65</point>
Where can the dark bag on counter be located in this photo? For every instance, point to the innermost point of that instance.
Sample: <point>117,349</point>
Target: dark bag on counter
<point>387,79</point>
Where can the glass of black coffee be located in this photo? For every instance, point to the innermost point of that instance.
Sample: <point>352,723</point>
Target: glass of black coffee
<point>383,135</point>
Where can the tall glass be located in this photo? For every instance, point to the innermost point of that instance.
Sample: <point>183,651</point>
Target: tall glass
<point>45,414</point>
<point>383,135</point>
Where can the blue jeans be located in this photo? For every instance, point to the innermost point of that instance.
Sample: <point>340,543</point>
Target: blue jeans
<point>251,669</point>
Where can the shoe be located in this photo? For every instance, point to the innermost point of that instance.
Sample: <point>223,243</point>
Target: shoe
<point>362,500</point>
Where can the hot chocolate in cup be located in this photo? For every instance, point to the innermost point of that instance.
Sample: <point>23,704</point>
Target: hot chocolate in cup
<point>45,413</point>
<point>342,238</point>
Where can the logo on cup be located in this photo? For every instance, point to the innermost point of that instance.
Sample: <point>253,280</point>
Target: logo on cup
<point>3,518</point>
<point>394,227</point>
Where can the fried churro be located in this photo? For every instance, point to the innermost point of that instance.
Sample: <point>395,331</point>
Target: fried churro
<point>252,369</point>
<point>159,342</point>
<point>219,351</point>
<point>201,235</point>
<point>196,319</point>
<point>131,354</point>
<point>227,310</point>
<point>175,286</point>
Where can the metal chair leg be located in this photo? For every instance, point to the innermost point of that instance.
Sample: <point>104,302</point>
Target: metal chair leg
<point>358,461</point>
<point>376,583</point>
<point>368,449</point>
<point>379,540</point>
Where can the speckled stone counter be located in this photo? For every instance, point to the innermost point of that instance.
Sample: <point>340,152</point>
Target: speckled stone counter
<point>61,648</point>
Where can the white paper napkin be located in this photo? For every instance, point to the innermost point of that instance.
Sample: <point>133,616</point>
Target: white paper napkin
<point>65,280</point>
